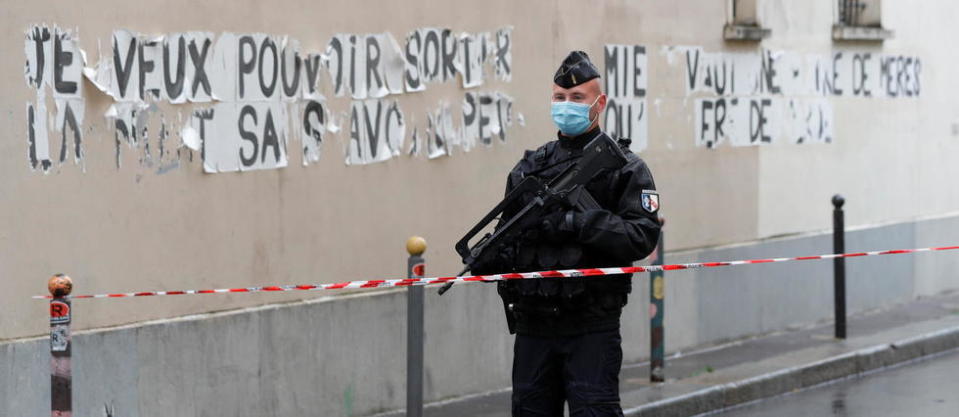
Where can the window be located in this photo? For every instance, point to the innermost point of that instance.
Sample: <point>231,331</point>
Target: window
<point>742,21</point>
<point>859,20</point>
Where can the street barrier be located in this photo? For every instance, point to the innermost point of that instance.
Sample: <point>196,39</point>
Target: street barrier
<point>585,273</point>
<point>60,287</point>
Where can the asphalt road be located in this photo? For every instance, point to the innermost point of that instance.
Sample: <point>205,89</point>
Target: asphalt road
<point>929,388</point>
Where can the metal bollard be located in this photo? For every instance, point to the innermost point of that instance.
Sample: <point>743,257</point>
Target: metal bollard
<point>657,333</point>
<point>61,380</point>
<point>416,268</point>
<point>839,265</point>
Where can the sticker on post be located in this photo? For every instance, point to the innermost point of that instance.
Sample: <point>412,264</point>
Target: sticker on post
<point>59,338</point>
<point>650,199</point>
<point>59,312</point>
<point>419,270</point>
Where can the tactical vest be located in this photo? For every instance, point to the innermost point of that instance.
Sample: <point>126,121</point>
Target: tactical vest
<point>533,254</point>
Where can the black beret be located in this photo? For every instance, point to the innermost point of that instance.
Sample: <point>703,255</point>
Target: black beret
<point>575,70</point>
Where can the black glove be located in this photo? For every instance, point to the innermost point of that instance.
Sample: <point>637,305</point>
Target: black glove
<point>497,263</point>
<point>559,226</point>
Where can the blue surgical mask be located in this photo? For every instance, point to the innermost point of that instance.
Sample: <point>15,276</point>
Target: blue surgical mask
<point>572,118</point>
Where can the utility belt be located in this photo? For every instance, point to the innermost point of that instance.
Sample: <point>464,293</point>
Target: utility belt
<point>555,308</point>
<point>545,310</point>
<point>586,304</point>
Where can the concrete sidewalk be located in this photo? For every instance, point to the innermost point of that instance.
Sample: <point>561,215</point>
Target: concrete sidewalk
<point>723,376</point>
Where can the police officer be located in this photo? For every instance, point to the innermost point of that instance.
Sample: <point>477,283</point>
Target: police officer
<point>568,345</point>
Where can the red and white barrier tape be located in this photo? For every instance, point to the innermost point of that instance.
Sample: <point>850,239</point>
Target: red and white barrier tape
<point>590,272</point>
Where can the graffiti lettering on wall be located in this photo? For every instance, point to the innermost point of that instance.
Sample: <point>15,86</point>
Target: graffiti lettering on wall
<point>249,97</point>
<point>626,83</point>
<point>54,62</point>
<point>780,96</point>
<point>757,120</point>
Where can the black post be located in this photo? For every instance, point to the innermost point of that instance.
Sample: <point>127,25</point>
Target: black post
<point>61,378</point>
<point>416,268</point>
<point>657,312</point>
<point>839,265</point>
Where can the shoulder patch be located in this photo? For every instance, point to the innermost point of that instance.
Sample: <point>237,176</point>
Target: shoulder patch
<point>650,200</point>
<point>540,155</point>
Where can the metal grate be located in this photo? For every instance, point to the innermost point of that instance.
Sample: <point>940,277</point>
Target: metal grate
<point>851,11</point>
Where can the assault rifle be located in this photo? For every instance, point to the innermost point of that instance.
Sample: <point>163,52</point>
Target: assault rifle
<point>566,190</point>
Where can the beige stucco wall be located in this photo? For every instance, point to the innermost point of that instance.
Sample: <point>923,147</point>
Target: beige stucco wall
<point>131,229</point>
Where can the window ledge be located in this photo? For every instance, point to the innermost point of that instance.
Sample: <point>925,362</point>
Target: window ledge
<point>737,32</point>
<point>860,33</point>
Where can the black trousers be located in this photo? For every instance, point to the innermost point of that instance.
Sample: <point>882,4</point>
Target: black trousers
<point>582,370</point>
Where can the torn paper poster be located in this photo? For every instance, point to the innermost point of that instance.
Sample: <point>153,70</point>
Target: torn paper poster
<point>504,114</point>
<point>246,136</point>
<point>626,82</point>
<point>100,76</point>
<point>197,128</point>
<point>627,118</point>
<point>485,115</point>
<point>770,97</point>
<point>488,118</point>
<point>392,63</point>
<point>290,69</point>
<point>431,56</point>
<point>412,76</point>
<point>37,136</point>
<point>376,131</point>
<point>374,74</point>
<point>67,66</point>
<point>395,128</point>
<point>68,122</point>
<point>435,141</point>
<point>469,60</point>
<point>54,60</point>
<point>190,137</point>
<point>626,74</point>
<point>788,73</point>
<point>174,69</point>
<point>442,136</point>
<point>347,65</point>
<point>167,156</point>
<point>338,67</point>
<point>312,128</point>
<point>336,119</point>
<point>503,58</point>
<point>480,117</point>
<point>487,45</point>
<point>204,64</point>
<point>807,121</point>
<point>126,119</point>
<point>125,85</point>
<point>448,51</point>
<point>258,68</point>
<point>471,117</point>
<point>414,148</point>
<point>749,121</point>
<point>268,92</point>
<point>445,125</point>
<point>424,52</point>
<point>313,65</point>
<point>37,47</point>
<point>149,56</point>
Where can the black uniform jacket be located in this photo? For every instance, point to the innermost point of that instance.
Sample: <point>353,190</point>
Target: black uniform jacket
<point>624,230</point>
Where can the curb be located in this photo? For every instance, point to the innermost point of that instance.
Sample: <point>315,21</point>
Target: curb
<point>790,379</point>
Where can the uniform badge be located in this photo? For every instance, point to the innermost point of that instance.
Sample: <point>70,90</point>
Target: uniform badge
<point>650,199</point>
